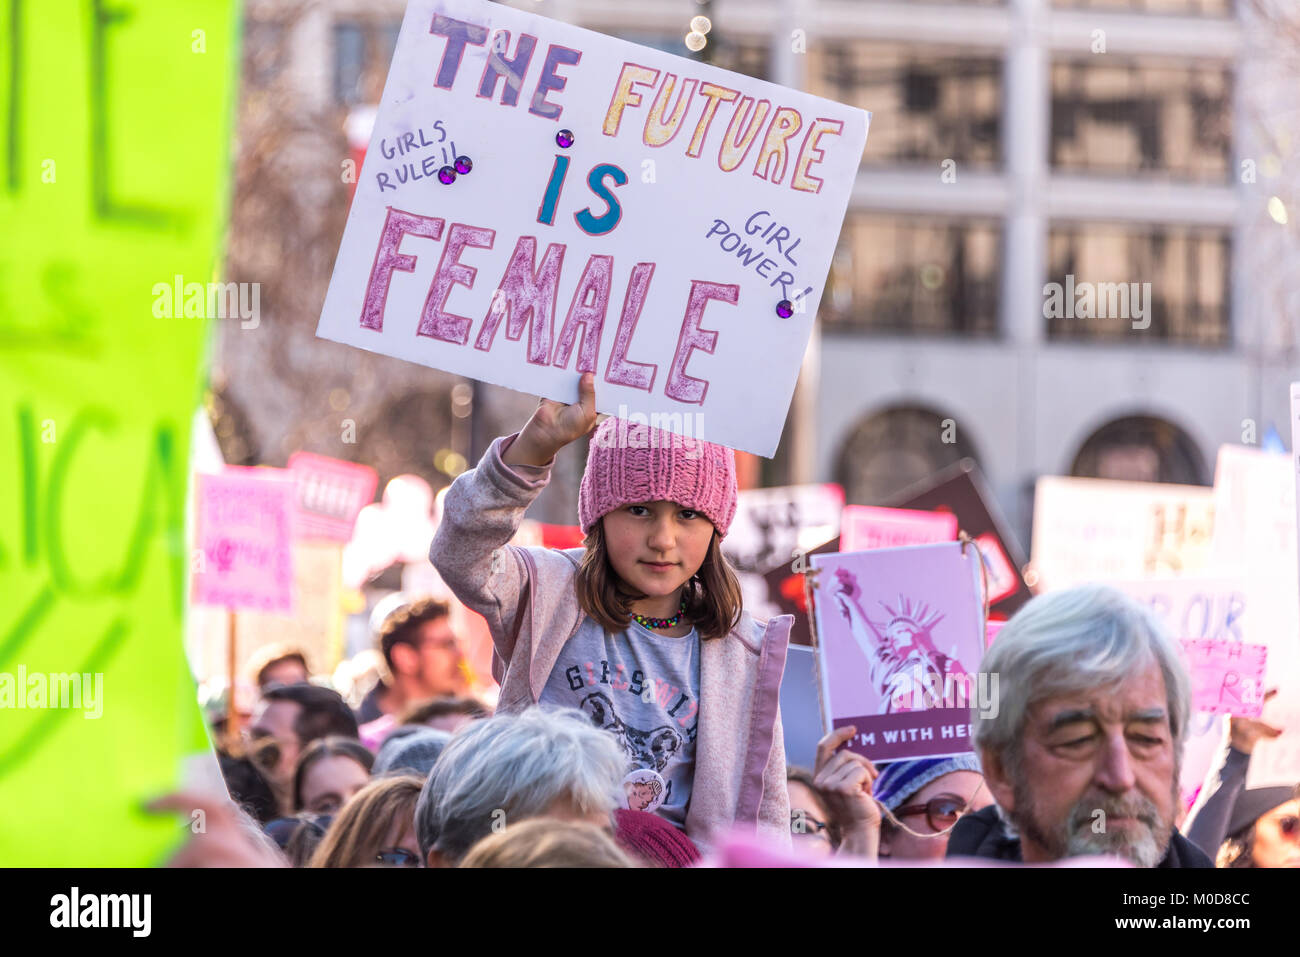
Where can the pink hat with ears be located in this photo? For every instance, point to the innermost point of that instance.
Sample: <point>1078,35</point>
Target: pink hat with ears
<point>632,462</point>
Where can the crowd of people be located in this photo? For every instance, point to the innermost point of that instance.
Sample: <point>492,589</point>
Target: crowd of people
<point>638,723</point>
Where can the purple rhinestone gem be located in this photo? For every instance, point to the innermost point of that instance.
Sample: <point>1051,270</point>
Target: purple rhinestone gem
<point>464,164</point>
<point>564,138</point>
<point>785,309</point>
<point>446,176</point>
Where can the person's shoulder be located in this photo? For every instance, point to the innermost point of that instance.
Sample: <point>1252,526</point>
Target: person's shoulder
<point>752,632</point>
<point>983,833</point>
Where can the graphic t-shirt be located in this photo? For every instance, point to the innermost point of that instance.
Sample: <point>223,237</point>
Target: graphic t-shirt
<point>643,688</point>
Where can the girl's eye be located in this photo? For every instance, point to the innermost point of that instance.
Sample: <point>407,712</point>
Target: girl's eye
<point>637,509</point>
<point>689,513</point>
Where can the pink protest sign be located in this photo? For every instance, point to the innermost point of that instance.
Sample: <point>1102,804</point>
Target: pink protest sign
<point>1227,676</point>
<point>900,635</point>
<point>331,493</point>
<point>242,533</point>
<point>865,526</point>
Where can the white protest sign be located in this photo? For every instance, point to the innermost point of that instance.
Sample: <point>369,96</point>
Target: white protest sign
<point>1254,506</point>
<point>1255,539</point>
<point>1275,622</point>
<point>1295,459</point>
<point>1096,529</point>
<point>624,212</point>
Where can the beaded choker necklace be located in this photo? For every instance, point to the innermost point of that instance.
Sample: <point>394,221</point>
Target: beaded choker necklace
<point>645,622</point>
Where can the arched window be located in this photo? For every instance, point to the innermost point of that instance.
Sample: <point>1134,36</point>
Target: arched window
<point>1141,448</point>
<point>892,448</point>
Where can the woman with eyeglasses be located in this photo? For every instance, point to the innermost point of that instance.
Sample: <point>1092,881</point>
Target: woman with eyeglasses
<point>903,810</point>
<point>924,799</point>
<point>376,828</point>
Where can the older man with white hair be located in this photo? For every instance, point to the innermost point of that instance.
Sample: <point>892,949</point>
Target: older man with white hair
<point>1083,753</point>
<point>501,770</point>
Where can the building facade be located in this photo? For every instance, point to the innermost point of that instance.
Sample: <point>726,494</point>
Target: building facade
<point>1066,251</point>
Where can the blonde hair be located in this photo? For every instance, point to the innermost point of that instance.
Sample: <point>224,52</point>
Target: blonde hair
<point>358,833</point>
<point>546,842</point>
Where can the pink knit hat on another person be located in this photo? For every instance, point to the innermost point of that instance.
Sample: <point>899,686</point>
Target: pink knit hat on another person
<point>653,840</point>
<point>631,462</point>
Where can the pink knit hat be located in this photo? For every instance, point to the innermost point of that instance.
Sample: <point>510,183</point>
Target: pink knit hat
<point>654,840</point>
<point>632,462</point>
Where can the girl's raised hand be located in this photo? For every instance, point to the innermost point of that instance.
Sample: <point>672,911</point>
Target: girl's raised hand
<point>554,425</point>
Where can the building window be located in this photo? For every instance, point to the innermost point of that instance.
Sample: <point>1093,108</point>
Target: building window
<point>894,448</point>
<point>1128,117</point>
<point>1204,8</point>
<point>915,274</point>
<point>927,105</point>
<point>1108,281</point>
<point>362,53</point>
<point>1140,448</point>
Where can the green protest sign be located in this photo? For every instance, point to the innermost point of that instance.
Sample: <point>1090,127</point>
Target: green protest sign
<point>115,123</point>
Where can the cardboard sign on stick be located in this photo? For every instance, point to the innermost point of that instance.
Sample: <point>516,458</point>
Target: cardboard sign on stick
<point>900,636</point>
<point>539,201</point>
<point>242,536</point>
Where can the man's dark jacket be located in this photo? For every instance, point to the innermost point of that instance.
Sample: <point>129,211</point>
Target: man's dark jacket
<point>983,834</point>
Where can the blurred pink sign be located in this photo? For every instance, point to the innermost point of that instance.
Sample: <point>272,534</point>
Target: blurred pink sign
<point>1227,676</point>
<point>331,493</point>
<point>865,526</point>
<point>243,533</point>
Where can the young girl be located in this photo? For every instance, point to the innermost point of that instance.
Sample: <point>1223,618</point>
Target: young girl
<point>642,628</point>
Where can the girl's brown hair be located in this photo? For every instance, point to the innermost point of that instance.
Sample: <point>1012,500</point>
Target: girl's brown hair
<point>359,830</point>
<point>713,600</point>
